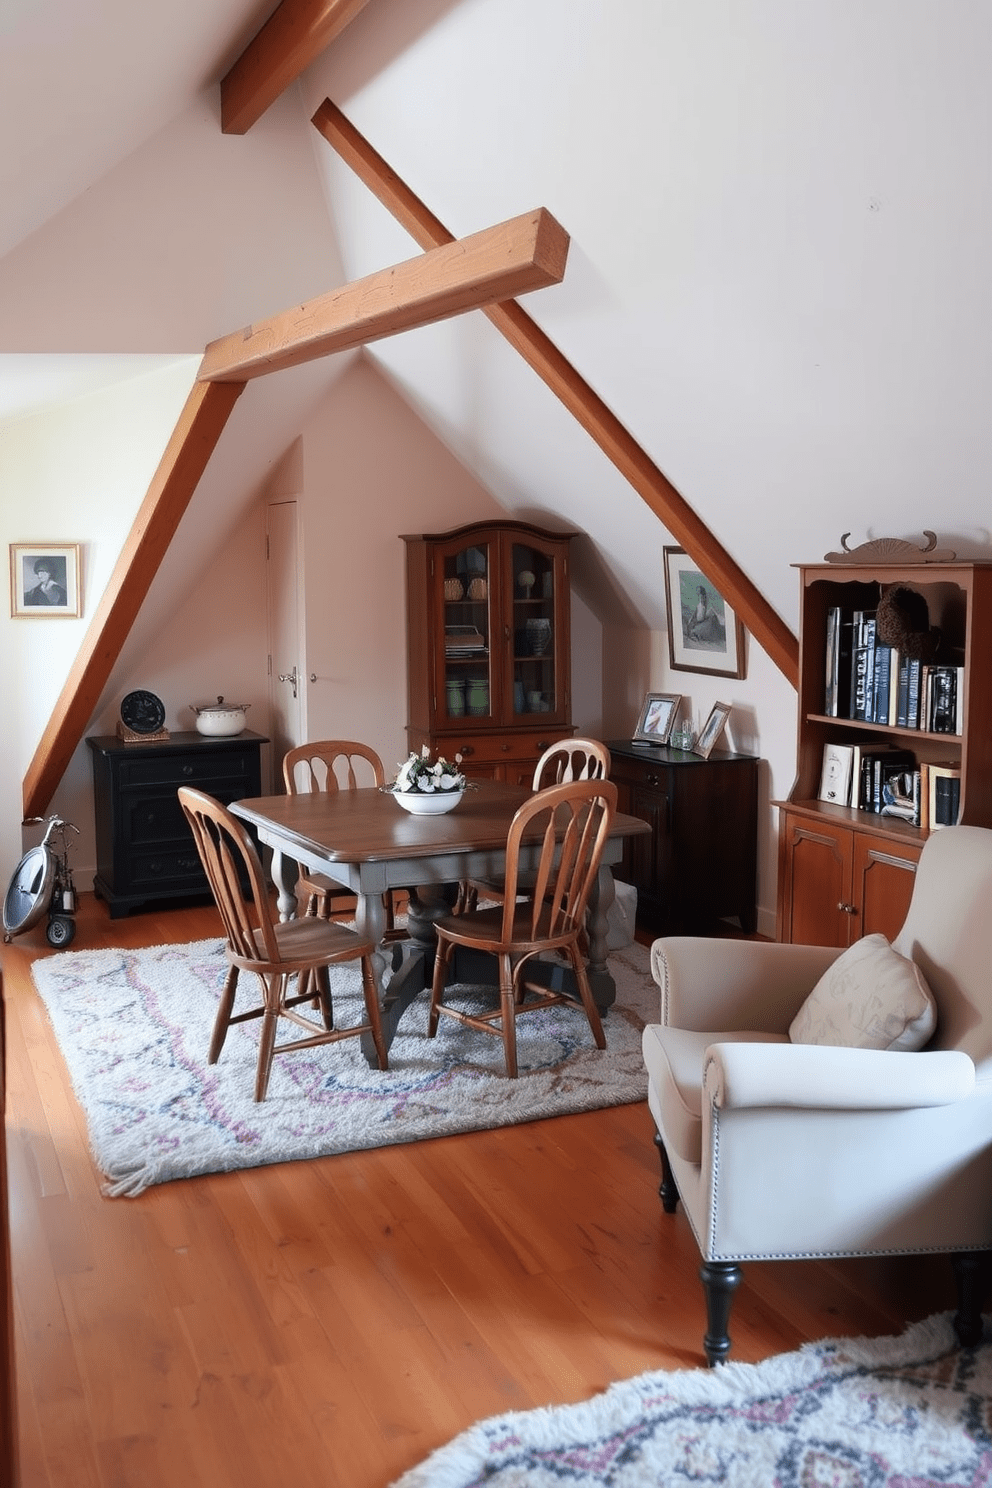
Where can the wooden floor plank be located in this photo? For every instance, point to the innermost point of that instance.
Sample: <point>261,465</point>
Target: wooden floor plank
<point>331,1322</point>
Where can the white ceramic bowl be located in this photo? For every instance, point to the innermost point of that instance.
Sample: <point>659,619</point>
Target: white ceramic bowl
<point>432,803</point>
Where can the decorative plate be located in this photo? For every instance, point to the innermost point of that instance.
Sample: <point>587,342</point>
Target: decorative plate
<point>143,712</point>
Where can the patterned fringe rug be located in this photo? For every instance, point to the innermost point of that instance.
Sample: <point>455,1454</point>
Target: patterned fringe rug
<point>134,1029</point>
<point>907,1412</point>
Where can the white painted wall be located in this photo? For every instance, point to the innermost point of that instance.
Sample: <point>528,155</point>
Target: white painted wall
<point>781,221</point>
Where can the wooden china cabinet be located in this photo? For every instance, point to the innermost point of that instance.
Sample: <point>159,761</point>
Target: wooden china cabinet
<point>844,872</point>
<point>488,645</point>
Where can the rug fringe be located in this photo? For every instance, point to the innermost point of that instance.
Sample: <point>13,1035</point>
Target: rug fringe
<point>127,1183</point>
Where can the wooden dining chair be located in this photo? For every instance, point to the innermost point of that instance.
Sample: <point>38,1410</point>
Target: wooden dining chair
<point>334,765</point>
<point>569,824</point>
<point>275,951</point>
<point>568,759</point>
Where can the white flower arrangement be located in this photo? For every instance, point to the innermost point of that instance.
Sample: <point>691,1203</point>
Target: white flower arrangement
<point>428,776</point>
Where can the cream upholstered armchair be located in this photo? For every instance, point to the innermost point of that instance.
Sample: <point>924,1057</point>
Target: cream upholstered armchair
<point>784,1149</point>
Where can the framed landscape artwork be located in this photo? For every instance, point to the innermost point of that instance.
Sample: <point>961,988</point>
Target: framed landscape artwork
<point>44,579</point>
<point>704,634</point>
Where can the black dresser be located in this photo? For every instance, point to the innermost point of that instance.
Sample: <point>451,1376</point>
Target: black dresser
<point>699,864</point>
<point>144,848</point>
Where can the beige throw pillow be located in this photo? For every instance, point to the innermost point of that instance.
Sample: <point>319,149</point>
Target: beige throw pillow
<point>870,998</point>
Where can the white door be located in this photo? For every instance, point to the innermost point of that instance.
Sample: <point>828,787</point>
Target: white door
<point>286,653</point>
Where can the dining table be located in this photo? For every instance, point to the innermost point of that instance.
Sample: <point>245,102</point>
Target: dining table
<point>366,842</point>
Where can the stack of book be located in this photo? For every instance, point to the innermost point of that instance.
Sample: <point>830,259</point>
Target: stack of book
<point>887,781</point>
<point>872,682</point>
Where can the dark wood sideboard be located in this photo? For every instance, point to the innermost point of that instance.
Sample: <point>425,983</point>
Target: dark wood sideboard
<point>144,848</point>
<point>699,864</point>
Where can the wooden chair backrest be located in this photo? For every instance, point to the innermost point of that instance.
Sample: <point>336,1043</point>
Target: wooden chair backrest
<point>572,759</point>
<point>223,843</point>
<point>331,765</point>
<point>575,821</point>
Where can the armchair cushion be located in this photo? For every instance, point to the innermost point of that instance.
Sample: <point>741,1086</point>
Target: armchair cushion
<point>870,998</point>
<point>675,1059</point>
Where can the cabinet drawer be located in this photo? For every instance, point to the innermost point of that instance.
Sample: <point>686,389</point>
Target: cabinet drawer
<point>174,866</point>
<point>497,749</point>
<point>188,769</point>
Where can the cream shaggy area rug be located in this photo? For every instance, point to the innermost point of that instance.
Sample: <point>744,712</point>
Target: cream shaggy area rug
<point>134,1029</point>
<point>907,1412</point>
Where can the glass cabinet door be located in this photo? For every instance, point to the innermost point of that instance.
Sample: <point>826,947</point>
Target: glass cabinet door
<point>468,626</point>
<point>532,578</point>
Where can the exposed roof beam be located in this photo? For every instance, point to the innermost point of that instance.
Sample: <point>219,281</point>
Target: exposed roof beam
<point>192,443</point>
<point>767,627</point>
<point>528,252</point>
<point>295,34</point>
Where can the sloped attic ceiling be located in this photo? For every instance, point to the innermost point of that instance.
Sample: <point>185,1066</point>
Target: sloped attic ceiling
<point>779,226</point>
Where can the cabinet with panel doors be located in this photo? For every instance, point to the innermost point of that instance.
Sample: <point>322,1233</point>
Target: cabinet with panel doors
<point>488,645</point>
<point>845,871</point>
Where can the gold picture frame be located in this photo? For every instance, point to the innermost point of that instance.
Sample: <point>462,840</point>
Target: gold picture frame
<point>45,580</point>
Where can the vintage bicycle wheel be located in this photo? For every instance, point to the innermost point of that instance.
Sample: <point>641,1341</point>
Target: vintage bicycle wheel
<point>30,891</point>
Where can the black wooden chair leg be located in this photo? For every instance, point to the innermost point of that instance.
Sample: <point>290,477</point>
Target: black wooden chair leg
<point>971,1276</point>
<point>720,1281</point>
<point>668,1189</point>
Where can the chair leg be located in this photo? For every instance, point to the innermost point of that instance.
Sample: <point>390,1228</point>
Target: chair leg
<point>720,1281</point>
<point>372,1009</point>
<point>441,958</point>
<point>591,1011</point>
<point>223,1018</point>
<point>668,1188</point>
<point>274,989</point>
<point>508,1012</point>
<point>971,1276</point>
<point>321,985</point>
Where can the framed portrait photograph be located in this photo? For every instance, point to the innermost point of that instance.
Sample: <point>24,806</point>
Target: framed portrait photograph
<point>44,579</point>
<point>712,729</point>
<point>657,717</point>
<point>704,634</point>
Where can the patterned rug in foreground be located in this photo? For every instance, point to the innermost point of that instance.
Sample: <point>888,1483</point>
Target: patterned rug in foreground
<point>907,1412</point>
<point>134,1029</point>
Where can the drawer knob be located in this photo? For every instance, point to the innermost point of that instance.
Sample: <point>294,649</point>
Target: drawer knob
<point>187,769</point>
<point>505,748</point>
<point>466,750</point>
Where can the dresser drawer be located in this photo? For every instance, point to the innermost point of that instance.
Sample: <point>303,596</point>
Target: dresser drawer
<point>174,866</point>
<point>495,749</point>
<point>203,769</point>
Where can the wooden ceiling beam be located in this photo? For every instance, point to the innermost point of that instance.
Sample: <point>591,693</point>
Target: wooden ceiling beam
<point>295,34</point>
<point>526,253</point>
<point>616,442</point>
<point>193,440</point>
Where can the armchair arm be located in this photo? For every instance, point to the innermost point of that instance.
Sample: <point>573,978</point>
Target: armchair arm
<point>712,985</point>
<point>812,1076</point>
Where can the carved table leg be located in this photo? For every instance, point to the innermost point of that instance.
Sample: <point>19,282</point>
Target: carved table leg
<point>428,903</point>
<point>720,1281</point>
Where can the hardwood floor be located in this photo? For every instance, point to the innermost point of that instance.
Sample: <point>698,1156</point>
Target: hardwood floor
<point>331,1322</point>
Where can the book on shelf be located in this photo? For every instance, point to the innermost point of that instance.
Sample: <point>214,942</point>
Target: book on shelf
<point>837,681</point>
<point>944,795</point>
<point>835,776</point>
<point>867,768</point>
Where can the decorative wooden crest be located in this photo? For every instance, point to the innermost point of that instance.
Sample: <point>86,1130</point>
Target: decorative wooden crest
<point>891,550</point>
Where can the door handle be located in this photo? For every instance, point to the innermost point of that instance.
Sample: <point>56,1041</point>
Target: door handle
<point>290,677</point>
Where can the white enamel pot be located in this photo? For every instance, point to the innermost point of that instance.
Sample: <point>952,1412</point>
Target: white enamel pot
<point>220,719</point>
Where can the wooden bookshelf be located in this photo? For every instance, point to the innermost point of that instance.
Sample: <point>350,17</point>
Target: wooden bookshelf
<point>844,873</point>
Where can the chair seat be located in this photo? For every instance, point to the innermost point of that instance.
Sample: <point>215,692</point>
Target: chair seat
<point>674,1058</point>
<point>308,942</point>
<point>486,925</point>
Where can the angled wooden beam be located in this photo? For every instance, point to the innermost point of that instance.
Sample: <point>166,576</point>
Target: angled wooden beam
<point>295,34</point>
<point>528,252</point>
<point>192,443</point>
<point>616,442</point>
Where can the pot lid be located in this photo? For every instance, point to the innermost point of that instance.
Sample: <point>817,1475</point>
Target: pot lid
<point>220,707</point>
